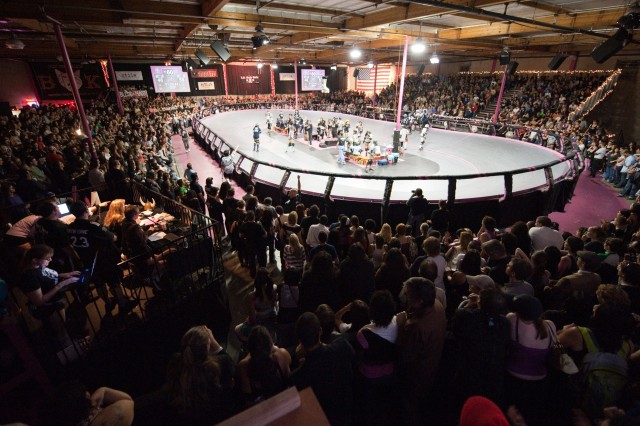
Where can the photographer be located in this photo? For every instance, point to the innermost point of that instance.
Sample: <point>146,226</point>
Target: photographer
<point>418,206</point>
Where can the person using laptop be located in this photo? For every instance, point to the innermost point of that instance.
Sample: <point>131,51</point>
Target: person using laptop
<point>53,232</point>
<point>100,256</point>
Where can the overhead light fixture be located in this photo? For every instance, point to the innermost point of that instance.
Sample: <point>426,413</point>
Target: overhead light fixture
<point>418,46</point>
<point>434,59</point>
<point>370,64</point>
<point>334,67</point>
<point>274,66</point>
<point>259,65</point>
<point>259,38</point>
<point>355,53</point>
<point>14,43</point>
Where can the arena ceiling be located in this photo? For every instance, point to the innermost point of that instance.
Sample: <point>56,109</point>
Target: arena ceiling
<point>320,31</point>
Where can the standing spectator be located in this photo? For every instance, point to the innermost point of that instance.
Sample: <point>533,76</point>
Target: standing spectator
<point>356,275</point>
<point>185,140</point>
<point>334,391</point>
<point>440,218</point>
<point>294,256</point>
<point>418,206</point>
<point>526,384</point>
<point>199,190</point>
<point>315,229</point>
<point>420,341</point>
<point>188,173</point>
<point>254,236</point>
<point>482,340</point>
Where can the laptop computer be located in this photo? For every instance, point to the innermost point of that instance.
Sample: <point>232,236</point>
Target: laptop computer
<point>64,209</point>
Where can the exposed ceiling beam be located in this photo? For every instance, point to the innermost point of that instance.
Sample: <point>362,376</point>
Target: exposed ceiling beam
<point>290,7</point>
<point>603,18</point>
<point>410,12</point>
<point>209,8</point>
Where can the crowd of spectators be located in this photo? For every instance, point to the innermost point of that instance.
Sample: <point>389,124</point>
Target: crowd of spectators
<point>376,305</point>
<point>493,300</point>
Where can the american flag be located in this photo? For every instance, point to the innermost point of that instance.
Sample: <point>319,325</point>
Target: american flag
<point>366,78</point>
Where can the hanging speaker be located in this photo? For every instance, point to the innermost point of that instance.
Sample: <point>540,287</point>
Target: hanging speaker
<point>513,66</point>
<point>557,61</point>
<point>505,57</point>
<point>204,59</point>
<point>612,46</point>
<point>356,72</point>
<point>221,50</point>
<point>421,69</point>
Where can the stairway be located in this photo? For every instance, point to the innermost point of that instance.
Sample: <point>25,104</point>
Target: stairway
<point>487,112</point>
<point>620,109</point>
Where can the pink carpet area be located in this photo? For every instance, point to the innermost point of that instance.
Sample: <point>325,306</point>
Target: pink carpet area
<point>201,162</point>
<point>593,201</point>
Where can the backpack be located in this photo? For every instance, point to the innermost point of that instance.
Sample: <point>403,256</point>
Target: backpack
<point>605,375</point>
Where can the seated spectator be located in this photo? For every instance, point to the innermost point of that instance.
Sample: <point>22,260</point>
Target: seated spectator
<point>43,287</point>
<point>543,235</point>
<point>585,281</point>
<point>432,250</point>
<point>518,270</point>
<point>53,232</point>
<point>497,261</point>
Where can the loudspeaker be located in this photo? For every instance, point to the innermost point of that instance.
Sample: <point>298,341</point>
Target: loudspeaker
<point>204,59</point>
<point>185,66</point>
<point>356,72</point>
<point>557,61</point>
<point>612,46</point>
<point>421,69</point>
<point>396,140</point>
<point>505,57</point>
<point>191,63</point>
<point>221,50</point>
<point>513,66</point>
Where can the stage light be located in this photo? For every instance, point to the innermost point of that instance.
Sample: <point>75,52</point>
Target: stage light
<point>334,67</point>
<point>370,64</point>
<point>418,46</point>
<point>355,53</point>
<point>259,37</point>
<point>303,61</point>
<point>259,65</point>
<point>434,59</point>
<point>274,65</point>
<point>78,131</point>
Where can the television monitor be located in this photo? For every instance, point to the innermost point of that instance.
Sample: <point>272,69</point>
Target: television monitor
<point>311,79</point>
<point>170,79</point>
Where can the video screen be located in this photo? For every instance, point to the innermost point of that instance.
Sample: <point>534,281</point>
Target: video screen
<point>169,79</point>
<point>311,79</point>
